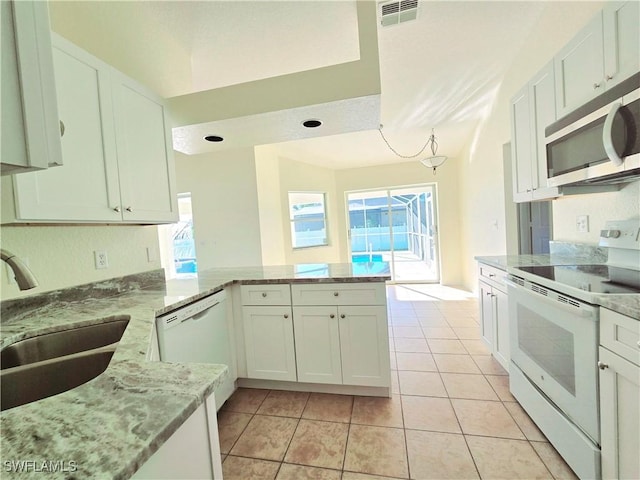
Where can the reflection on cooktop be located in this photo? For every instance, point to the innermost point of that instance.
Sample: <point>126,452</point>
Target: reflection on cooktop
<point>592,278</point>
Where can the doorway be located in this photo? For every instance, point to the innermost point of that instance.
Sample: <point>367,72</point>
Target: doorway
<point>399,226</point>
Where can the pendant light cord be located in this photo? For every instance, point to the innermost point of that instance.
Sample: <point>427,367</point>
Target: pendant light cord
<point>431,140</point>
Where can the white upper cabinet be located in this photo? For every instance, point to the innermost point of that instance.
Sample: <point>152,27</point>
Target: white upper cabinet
<point>116,148</point>
<point>29,133</point>
<point>601,55</point>
<point>532,110</point>
<point>621,32</point>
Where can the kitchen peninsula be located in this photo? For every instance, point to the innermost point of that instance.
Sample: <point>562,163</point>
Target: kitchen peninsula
<point>110,426</point>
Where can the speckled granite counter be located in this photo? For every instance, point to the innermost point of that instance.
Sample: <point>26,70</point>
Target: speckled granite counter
<point>112,424</point>
<point>628,304</point>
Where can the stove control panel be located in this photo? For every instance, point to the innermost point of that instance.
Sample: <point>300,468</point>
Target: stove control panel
<point>623,234</point>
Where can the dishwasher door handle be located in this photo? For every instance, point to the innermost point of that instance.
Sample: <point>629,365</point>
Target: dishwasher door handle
<point>201,314</point>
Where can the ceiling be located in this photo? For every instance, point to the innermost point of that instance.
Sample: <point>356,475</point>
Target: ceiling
<point>442,70</point>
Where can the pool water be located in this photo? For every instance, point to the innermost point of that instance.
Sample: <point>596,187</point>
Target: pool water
<point>362,258</point>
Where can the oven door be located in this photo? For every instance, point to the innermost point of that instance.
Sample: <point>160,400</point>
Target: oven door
<point>554,343</point>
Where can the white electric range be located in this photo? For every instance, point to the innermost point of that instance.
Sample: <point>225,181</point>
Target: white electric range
<point>554,336</point>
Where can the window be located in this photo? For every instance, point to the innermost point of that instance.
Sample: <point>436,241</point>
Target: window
<point>177,243</point>
<point>308,219</point>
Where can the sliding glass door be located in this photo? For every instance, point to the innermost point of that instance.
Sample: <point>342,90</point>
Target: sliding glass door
<point>398,226</point>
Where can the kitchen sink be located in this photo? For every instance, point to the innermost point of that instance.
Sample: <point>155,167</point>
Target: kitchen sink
<point>58,344</point>
<point>50,364</point>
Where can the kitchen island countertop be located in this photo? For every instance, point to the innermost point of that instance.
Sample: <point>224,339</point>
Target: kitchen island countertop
<point>109,426</point>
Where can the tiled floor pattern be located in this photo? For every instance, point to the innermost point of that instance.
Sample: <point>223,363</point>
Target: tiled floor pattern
<point>451,415</point>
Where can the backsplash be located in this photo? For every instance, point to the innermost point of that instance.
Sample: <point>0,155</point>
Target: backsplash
<point>584,251</point>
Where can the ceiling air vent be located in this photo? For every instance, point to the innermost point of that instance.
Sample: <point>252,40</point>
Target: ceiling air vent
<point>392,13</point>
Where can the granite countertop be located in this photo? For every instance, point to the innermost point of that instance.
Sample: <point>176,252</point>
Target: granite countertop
<point>109,426</point>
<point>625,304</point>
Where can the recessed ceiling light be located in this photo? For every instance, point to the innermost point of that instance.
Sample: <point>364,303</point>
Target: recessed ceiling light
<point>312,123</point>
<point>213,138</point>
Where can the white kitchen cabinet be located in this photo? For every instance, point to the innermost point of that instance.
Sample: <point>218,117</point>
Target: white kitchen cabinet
<point>344,337</point>
<point>601,55</point>
<point>116,145</point>
<point>532,110</point>
<point>269,343</point>
<point>494,312</point>
<point>29,129</point>
<point>192,452</point>
<point>619,361</point>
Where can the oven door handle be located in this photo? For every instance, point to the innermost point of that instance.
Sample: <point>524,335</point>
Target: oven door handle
<point>585,310</point>
<point>607,135</point>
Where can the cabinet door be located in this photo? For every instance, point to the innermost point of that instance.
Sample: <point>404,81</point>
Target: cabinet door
<point>579,68</point>
<point>621,26</point>
<point>543,112</point>
<point>145,153</point>
<point>317,344</point>
<point>486,314</point>
<point>364,345</point>
<point>29,118</point>
<point>521,148</point>
<point>619,417</point>
<point>269,345</point>
<point>501,319</point>
<point>85,188</point>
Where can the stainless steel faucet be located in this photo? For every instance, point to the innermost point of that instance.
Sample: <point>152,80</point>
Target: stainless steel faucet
<point>24,278</point>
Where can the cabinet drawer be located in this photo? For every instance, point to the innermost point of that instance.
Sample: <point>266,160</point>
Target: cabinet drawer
<point>339,294</point>
<point>620,334</point>
<point>491,274</point>
<point>276,294</point>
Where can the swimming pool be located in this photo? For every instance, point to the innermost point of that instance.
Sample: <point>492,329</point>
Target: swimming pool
<point>366,257</point>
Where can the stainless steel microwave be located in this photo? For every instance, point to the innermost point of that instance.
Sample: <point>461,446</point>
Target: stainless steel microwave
<point>599,143</point>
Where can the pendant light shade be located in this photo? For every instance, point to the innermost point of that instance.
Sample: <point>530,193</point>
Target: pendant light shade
<point>434,161</point>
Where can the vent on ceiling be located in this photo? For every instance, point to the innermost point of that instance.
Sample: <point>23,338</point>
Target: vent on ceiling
<point>392,13</point>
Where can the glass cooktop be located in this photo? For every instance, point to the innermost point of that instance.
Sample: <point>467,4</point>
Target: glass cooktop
<point>591,278</point>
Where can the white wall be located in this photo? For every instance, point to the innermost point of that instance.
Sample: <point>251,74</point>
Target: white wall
<point>62,256</point>
<point>225,207</point>
<point>482,175</point>
<point>413,173</point>
<point>600,207</point>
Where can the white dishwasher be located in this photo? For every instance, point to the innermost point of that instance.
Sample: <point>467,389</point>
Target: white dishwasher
<point>199,333</point>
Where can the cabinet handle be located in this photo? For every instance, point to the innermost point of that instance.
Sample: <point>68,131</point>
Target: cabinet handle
<point>342,315</point>
<point>609,77</point>
<point>117,209</point>
<point>335,294</point>
<point>332,316</point>
<point>596,86</point>
<point>62,129</point>
<point>488,294</point>
<point>491,275</point>
<point>286,315</point>
<point>129,209</point>
<point>264,294</point>
<point>602,365</point>
<point>639,344</point>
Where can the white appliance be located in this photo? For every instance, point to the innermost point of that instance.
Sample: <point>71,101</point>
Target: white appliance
<point>554,342</point>
<point>599,143</point>
<point>199,333</point>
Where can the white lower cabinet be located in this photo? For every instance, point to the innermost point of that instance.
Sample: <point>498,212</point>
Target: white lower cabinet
<point>269,344</point>
<point>342,345</point>
<point>192,452</point>
<point>317,333</point>
<point>494,313</point>
<point>619,362</point>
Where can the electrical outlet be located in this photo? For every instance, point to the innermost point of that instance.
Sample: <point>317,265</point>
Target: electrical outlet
<point>101,259</point>
<point>582,223</point>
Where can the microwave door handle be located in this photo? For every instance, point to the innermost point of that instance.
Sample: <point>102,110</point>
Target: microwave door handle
<point>607,135</point>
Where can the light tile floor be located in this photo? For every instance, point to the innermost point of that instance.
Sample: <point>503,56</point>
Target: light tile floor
<point>451,415</point>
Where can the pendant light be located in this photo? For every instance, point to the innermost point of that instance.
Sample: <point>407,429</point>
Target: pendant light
<point>434,161</point>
